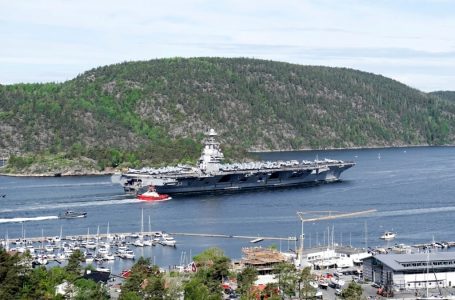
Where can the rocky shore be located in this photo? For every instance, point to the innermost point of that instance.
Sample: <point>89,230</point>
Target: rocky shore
<point>68,173</point>
<point>55,166</point>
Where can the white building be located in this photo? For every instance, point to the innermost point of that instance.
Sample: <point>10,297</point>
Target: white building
<point>411,271</point>
<point>331,258</point>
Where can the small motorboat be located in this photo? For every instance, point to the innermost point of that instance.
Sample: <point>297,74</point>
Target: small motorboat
<point>89,258</point>
<point>69,214</point>
<point>128,254</point>
<point>152,195</point>
<point>388,235</point>
<point>167,240</point>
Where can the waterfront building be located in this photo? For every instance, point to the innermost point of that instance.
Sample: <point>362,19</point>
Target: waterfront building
<point>337,257</point>
<point>264,260</point>
<point>411,271</point>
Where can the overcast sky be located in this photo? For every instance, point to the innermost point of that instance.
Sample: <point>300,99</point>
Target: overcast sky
<point>412,41</point>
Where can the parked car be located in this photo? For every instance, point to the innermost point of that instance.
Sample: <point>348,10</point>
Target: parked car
<point>375,285</point>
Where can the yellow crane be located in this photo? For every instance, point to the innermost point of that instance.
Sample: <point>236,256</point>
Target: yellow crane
<point>321,215</point>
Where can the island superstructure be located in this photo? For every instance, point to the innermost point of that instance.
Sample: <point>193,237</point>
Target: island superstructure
<point>211,175</point>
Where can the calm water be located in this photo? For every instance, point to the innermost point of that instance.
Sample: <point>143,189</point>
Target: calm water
<point>413,190</point>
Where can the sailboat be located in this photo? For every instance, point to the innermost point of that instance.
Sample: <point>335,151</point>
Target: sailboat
<point>427,296</point>
<point>149,241</point>
<point>140,241</point>
<point>6,242</point>
<point>42,258</point>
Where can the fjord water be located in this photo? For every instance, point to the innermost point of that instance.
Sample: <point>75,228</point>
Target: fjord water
<point>413,190</point>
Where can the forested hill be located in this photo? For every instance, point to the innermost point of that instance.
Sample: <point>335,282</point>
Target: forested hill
<point>157,110</point>
<point>447,95</point>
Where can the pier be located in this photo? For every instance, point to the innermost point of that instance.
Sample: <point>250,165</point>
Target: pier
<point>151,233</point>
<point>249,237</point>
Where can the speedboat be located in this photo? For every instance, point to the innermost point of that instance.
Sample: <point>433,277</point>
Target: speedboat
<point>49,248</point>
<point>103,269</point>
<point>152,195</point>
<point>69,214</point>
<point>147,242</point>
<point>167,240</point>
<point>138,243</point>
<point>388,235</point>
<point>89,258</point>
<point>109,256</point>
<point>122,249</point>
<point>90,245</point>
<point>42,260</point>
<point>128,254</point>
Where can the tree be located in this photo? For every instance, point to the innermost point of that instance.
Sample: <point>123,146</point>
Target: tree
<point>74,264</point>
<point>132,285</point>
<point>38,284</point>
<point>174,287</point>
<point>14,270</point>
<point>129,295</point>
<point>245,281</point>
<point>11,273</point>
<point>353,291</point>
<point>287,278</point>
<point>154,288</point>
<point>271,292</point>
<point>213,266</point>
<point>89,289</point>
<point>306,291</point>
<point>144,282</point>
<point>195,289</point>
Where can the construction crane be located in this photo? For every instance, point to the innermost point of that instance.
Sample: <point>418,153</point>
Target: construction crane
<point>321,215</point>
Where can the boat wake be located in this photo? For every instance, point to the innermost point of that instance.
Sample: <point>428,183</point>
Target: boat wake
<point>19,220</point>
<point>416,211</point>
<point>65,205</point>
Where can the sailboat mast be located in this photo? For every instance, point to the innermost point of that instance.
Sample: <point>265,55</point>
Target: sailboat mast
<point>6,242</point>
<point>142,222</point>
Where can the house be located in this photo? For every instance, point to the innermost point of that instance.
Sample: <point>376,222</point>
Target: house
<point>97,276</point>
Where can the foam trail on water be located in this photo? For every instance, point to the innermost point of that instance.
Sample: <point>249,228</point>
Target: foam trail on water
<point>17,220</point>
<point>416,211</point>
<point>65,205</point>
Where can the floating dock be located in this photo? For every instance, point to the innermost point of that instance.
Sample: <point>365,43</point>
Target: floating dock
<point>254,239</point>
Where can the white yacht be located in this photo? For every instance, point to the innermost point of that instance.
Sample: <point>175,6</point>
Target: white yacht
<point>388,235</point>
<point>167,240</point>
<point>128,254</point>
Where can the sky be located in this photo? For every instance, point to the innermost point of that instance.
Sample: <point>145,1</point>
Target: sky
<point>412,41</point>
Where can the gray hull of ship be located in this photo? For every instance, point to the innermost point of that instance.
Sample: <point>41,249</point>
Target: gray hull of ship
<point>240,181</point>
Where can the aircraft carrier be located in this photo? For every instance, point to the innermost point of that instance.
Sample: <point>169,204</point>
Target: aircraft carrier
<point>210,175</point>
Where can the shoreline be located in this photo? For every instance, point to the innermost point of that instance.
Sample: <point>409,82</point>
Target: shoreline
<point>56,174</point>
<point>350,148</point>
<point>112,172</point>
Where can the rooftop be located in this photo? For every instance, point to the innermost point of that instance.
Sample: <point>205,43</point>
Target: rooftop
<point>262,256</point>
<point>403,262</point>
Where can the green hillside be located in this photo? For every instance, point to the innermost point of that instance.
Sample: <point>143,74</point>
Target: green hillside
<point>155,111</point>
<point>447,95</point>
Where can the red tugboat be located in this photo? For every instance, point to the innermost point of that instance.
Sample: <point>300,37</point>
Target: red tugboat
<point>152,195</point>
